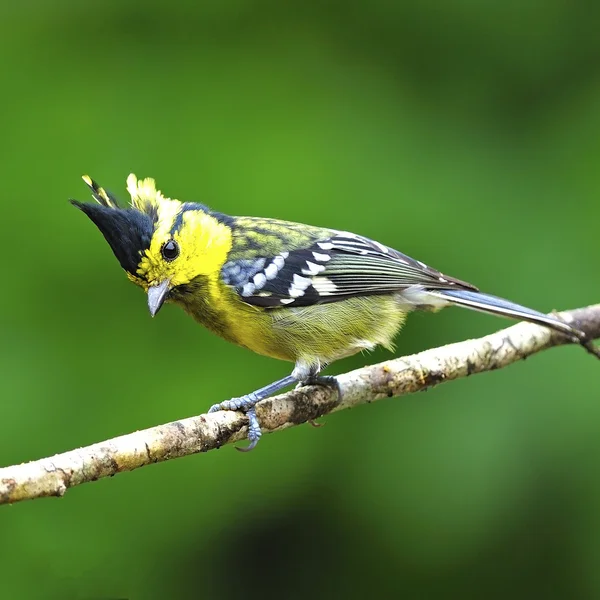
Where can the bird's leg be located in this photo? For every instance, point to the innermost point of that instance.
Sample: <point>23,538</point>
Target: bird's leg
<point>247,403</point>
<point>312,377</point>
<point>303,374</point>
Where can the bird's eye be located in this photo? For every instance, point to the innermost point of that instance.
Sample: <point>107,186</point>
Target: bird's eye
<point>170,250</point>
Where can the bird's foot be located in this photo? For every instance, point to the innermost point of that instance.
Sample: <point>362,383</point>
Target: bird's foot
<point>245,404</point>
<point>327,381</point>
<point>254,431</point>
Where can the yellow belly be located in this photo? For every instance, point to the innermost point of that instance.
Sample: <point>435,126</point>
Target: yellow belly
<point>319,333</point>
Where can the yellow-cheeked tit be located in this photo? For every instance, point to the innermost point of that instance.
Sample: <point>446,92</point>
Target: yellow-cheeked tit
<point>295,292</point>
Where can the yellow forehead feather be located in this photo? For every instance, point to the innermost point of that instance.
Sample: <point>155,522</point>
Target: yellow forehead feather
<point>143,192</point>
<point>145,197</point>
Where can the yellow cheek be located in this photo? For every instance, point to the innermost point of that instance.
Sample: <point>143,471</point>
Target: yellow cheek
<point>145,270</point>
<point>204,244</point>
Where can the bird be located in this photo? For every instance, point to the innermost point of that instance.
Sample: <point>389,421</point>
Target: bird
<point>305,294</point>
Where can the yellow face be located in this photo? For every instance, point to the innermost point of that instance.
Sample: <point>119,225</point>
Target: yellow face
<point>186,243</point>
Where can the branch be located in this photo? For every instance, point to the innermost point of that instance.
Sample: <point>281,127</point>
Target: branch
<point>53,476</point>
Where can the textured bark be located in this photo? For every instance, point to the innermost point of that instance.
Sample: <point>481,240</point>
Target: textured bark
<point>53,476</point>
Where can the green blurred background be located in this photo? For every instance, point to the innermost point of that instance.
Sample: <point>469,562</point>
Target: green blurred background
<point>466,134</point>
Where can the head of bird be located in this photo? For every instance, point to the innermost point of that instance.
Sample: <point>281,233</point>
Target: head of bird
<point>165,246</point>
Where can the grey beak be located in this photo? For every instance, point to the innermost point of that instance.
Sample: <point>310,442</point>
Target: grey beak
<point>157,294</point>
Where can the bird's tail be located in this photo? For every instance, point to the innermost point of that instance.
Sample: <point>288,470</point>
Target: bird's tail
<point>499,306</point>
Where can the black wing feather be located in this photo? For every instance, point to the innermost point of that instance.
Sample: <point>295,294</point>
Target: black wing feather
<point>342,266</point>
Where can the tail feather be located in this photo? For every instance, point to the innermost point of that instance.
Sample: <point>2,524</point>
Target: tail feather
<point>499,306</point>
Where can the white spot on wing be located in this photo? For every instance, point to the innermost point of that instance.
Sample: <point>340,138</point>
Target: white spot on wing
<point>287,300</point>
<point>272,270</point>
<point>248,289</point>
<point>325,245</point>
<point>321,257</point>
<point>299,286</point>
<point>278,261</point>
<point>259,280</point>
<point>295,292</point>
<point>312,268</point>
<point>301,282</point>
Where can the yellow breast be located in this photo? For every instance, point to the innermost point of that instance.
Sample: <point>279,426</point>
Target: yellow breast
<point>322,332</point>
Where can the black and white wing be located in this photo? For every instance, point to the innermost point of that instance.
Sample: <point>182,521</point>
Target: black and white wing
<point>341,266</point>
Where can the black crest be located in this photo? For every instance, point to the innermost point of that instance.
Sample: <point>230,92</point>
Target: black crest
<point>127,230</point>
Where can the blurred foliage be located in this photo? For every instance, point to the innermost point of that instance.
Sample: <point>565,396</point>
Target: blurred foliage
<point>466,134</point>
